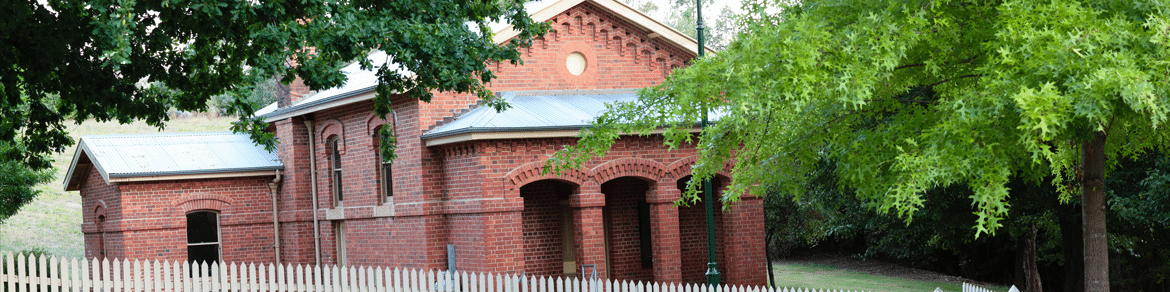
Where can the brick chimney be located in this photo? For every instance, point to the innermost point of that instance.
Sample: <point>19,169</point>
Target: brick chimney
<point>292,93</point>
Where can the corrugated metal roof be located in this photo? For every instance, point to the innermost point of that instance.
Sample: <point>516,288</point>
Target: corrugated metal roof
<point>357,81</point>
<point>541,111</point>
<point>163,154</point>
<point>536,110</point>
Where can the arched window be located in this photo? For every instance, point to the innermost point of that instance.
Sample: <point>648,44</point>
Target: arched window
<point>385,169</point>
<point>203,244</point>
<point>335,169</point>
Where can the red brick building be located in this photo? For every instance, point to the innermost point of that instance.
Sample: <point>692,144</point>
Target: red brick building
<point>465,176</point>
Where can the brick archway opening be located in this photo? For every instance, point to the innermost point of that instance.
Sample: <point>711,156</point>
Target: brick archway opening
<point>547,219</point>
<point>692,223</point>
<point>627,229</point>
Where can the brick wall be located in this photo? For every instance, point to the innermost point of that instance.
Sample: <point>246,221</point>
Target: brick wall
<point>97,198</point>
<point>147,220</point>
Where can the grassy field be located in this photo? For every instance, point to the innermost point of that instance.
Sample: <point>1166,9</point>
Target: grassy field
<point>830,277</point>
<point>52,222</point>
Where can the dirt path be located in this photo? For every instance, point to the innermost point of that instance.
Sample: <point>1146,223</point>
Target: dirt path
<point>873,267</point>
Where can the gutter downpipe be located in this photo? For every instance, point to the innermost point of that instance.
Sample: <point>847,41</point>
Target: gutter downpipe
<point>275,187</point>
<point>313,177</point>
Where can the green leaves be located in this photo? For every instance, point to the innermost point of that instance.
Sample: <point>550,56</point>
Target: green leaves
<point>908,97</point>
<point>130,60</point>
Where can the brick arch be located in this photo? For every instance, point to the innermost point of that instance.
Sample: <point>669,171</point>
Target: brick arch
<point>682,167</point>
<point>532,171</point>
<point>333,127</point>
<point>373,122</point>
<point>629,166</point>
<point>188,203</point>
<point>100,210</point>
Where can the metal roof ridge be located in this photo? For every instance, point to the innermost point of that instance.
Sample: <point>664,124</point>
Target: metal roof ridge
<point>140,135</point>
<point>195,171</point>
<point>572,92</point>
<point>325,100</point>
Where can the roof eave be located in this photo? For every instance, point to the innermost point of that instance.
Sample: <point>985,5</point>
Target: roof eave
<point>476,134</point>
<point>362,94</point>
<point>195,174</point>
<point>82,148</point>
<point>70,177</point>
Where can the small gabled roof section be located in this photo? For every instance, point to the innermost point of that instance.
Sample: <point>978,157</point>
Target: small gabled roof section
<point>169,156</point>
<point>533,113</point>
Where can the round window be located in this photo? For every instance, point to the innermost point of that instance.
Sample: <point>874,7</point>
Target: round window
<point>576,63</point>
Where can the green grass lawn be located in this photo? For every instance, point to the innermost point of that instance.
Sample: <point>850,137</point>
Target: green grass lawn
<point>830,277</point>
<point>52,222</point>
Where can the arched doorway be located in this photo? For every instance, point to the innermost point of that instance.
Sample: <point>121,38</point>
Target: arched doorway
<point>549,243</point>
<point>692,223</point>
<point>627,229</point>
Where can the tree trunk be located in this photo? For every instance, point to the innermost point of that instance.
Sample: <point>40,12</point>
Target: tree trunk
<point>1093,213</point>
<point>1072,241</point>
<point>1027,273</point>
<point>768,257</point>
<point>1031,273</point>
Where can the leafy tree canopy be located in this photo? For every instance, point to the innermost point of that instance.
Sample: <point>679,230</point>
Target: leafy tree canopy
<point>997,89</point>
<point>130,60</point>
<point>909,96</point>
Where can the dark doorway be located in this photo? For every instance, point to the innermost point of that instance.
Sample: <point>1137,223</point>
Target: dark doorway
<point>631,251</point>
<point>549,243</point>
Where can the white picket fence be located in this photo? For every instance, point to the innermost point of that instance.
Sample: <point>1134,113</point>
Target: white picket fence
<point>50,274</point>
<point>972,288</point>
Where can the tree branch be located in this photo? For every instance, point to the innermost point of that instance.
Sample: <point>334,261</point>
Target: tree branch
<point>949,79</point>
<point>967,61</point>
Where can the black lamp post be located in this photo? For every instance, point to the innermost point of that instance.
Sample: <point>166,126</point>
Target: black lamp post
<point>712,270</point>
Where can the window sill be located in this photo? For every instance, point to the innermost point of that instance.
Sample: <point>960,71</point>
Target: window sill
<point>335,213</point>
<point>386,209</point>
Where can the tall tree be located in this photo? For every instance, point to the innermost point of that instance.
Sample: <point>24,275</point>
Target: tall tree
<point>130,60</point>
<point>1018,88</point>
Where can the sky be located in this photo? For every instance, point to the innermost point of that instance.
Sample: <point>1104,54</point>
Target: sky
<point>664,6</point>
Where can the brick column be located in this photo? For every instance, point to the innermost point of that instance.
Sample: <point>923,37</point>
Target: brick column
<point>665,232</point>
<point>743,235</point>
<point>589,227</point>
<point>296,210</point>
<point>503,240</point>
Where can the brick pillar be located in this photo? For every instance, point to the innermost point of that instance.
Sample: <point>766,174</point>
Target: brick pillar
<point>743,230</point>
<point>504,241</point>
<point>295,194</point>
<point>665,232</point>
<point>589,228</point>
